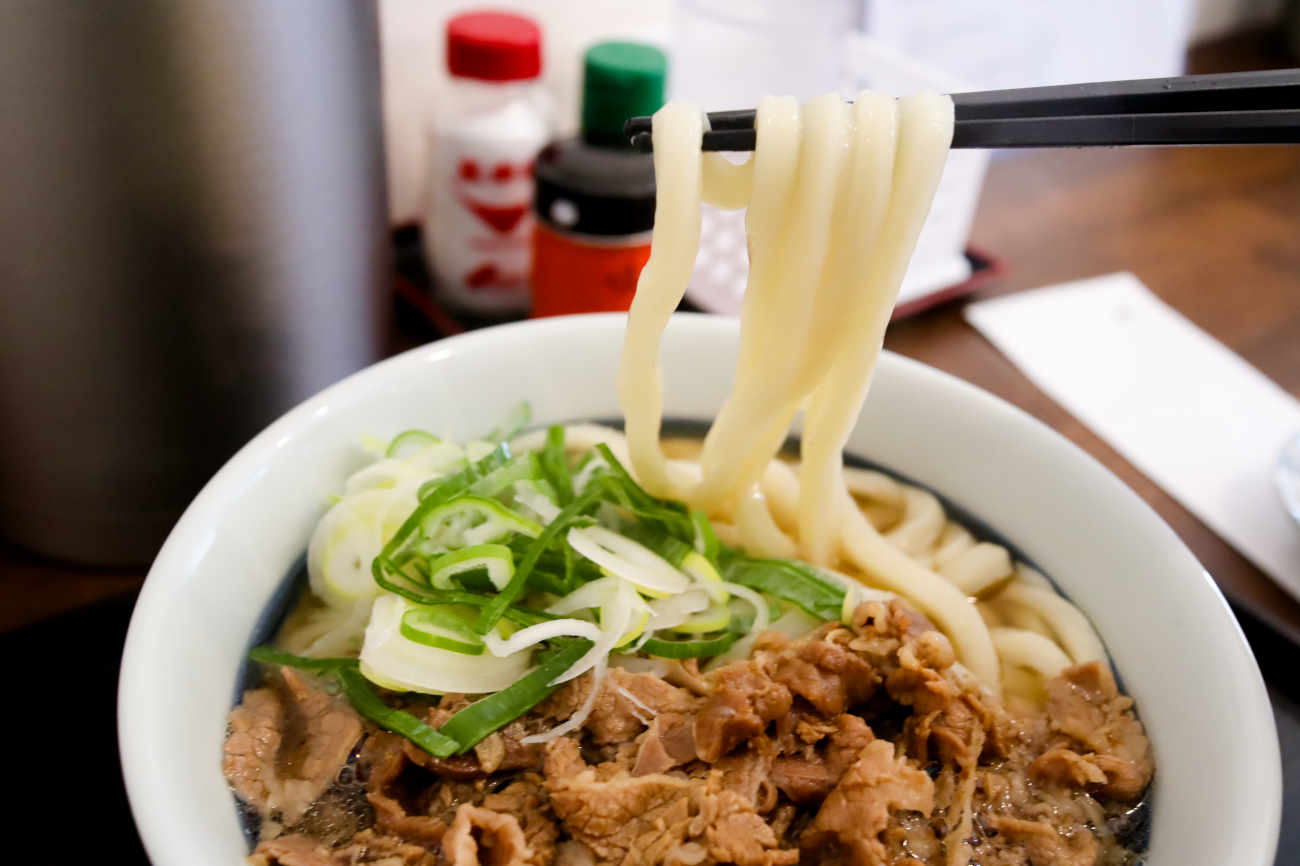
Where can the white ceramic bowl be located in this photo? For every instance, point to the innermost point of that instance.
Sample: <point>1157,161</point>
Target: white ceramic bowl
<point>1172,637</point>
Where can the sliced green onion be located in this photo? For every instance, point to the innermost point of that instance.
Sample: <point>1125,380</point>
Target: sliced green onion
<point>494,610</point>
<point>706,576</point>
<point>673,611</point>
<point>543,631</point>
<point>515,421</point>
<point>522,468</point>
<point>715,617</point>
<point>367,703</point>
<point>483,717</point>
<point>674,550</point>
<point>270,656</point>
<point>515,614</point>
<point>690,649</point>
<point>391,659</point>
<point>407,442</point>
<point>555,464</point>
<point>485,520</point>
<point>789,581</point>
<point>706,541</point>
<point>494,559</point>
<point>628,559</point>
<point>673,517</point>
<point>440,628</point>
<point>439,490</point>
<point>538,497</point>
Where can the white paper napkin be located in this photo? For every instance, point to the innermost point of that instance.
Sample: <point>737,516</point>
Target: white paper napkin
<point>1180,406</point>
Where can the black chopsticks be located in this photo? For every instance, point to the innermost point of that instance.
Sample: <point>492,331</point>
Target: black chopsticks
<point>1239,108</point>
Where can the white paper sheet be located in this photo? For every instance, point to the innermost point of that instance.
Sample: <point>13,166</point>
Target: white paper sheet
<point>1180,406</point>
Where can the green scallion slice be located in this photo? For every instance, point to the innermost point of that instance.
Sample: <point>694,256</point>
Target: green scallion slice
<point>789,581</point>
<point>691,649</point>
<point>407,442</point>
<point>270,656</point>
<point>555,465</point>
<point>494,712</point>
<point>495,609</point>
<point>441,628</point>
<point>367,703</point>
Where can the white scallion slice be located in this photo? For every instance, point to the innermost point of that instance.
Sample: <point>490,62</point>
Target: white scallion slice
<point>698,566</point>
<point>597,596</point>
<point>715,617</point>
<point>528,637</point>
<point>634,562</point>
<point>671,612</point>
<point>529,494</point>
<point>616,617</point>
<point>761,617</point>
<point>589,596</point>
<point>393,662</point>
<point>347,539</point>
<point>477,449</point>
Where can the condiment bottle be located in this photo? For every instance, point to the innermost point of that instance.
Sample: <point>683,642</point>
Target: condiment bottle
<point>595,198</point>
<point>477,232</point>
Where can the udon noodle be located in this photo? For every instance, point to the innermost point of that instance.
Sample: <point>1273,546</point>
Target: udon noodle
<point>836,195</point>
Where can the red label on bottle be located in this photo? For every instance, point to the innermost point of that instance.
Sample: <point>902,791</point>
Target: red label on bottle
<point>578,276</point>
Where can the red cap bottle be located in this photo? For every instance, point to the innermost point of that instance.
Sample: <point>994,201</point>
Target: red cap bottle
<point>494,46</point>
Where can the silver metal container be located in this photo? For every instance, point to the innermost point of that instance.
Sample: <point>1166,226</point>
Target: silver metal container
<point>193,239</point>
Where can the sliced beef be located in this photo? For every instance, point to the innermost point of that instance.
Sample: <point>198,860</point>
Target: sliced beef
<point>286,744</point>
<point>1085,707</point>
<point>252,748</point>
<point>827,675</point>
<point>743,701</point>
<point>856,813</point>
<point>526,799</point>
<point>626,705</point>
<point>292,850</point>
<point>686,674</point>
<point>1067,767</point>
<point>748,772</point>
<point>372,848</point>
<point>398,809</point>
<point>482,837</point>
<point>803,780</point>
<point>366,847</point>
<point>1041,844</point>
<point>657,818</point>
<point>667,743</point>
<point>808,778</point>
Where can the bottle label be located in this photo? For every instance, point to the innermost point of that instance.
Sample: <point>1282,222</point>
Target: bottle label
<point>576,275</point>
<point>482,222</point>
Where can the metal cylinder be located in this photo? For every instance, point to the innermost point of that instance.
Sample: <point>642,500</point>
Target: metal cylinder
<point>193,238</point>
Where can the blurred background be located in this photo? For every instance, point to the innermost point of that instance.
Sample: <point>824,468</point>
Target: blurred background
<point>211,209</point>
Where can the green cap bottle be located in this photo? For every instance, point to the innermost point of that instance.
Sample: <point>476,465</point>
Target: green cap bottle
<point>620,80</point>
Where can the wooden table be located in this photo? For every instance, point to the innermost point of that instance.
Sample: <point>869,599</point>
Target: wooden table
<point>1215,232</point>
